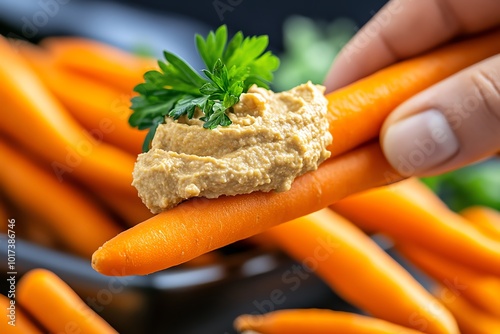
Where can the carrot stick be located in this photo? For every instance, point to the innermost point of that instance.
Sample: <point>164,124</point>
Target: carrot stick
<point>484,219</point>
<point>478,289</point>
<point>99,61</point>
<point>79,223</point>
<point>201,232</point>
<point>411,212</point>
<point>360,271</point>
<point>470,319</point>
<point>357,111</point>
<point>36,120</point>
<point>316,321</point>
<point>98,107</point>
<point>56,306</point>
<point>19,323</point>
<point>200,225</point>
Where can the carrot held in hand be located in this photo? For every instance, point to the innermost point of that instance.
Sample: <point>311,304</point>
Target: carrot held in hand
<point>198,228</point>
<point>360,271</point>
<point>358,110</point>
<point>411,212</point>
<point>316,321</point>
<point>78,222</point>
<point>56,306</point>
<point>35,119</point>
<point>200,225</point>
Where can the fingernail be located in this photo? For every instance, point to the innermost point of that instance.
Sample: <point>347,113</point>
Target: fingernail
<point>417,144</point>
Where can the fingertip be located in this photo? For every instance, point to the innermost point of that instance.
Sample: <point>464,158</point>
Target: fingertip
<point>420,142</point>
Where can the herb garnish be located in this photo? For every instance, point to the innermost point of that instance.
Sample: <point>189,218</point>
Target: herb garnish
<point>177,89</point>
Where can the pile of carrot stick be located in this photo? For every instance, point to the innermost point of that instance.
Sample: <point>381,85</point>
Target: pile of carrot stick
<point>46,304</point>
<point>69,156</point>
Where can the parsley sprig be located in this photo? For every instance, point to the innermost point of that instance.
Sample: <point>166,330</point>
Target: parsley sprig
<point>176,89</point>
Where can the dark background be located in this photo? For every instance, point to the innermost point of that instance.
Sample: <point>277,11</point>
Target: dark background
<point>157,24</point>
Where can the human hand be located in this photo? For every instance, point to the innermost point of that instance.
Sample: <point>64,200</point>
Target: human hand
<point>451,124</point>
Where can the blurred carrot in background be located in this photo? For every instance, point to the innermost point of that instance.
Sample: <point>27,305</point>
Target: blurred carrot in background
<point>470,319</point>
<point>22,324</point>
<point>360,271</point>
<point>35,119</point>
<point>97,106</point>
<point>481,290</point>
<point>316,321</point>
<point>485,219</point>
<point>79,222</point>
<point>97,60</point>
<point>411,212</point>
<point>56,306</point>
<point>130,209</point>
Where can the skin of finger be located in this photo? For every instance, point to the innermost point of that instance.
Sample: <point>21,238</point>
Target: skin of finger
<point>404,28</point>
<point>470,101</point>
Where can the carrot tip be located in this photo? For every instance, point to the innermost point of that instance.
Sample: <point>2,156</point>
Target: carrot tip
<point>246,323</point>
<point>102,263</point>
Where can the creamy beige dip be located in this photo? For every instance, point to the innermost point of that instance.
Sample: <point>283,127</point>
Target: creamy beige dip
<point>273,138</point>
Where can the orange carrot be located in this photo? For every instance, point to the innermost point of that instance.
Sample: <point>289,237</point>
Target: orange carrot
<point>316,321</point>
<point>204,230</point>
<point>200,225</point>
<point>56,306</point>
<point>357,111</point>
<point>478,289</point>
<point>130,209</point>
<point>102,109</point>
<point>470,319</point>
<point>79,222</point>
<point>484,219</point>
<point>99,61</point>
<point>36,120</point>
<point>14,320</point>
<point>411,212</point>
<point>360,271</point>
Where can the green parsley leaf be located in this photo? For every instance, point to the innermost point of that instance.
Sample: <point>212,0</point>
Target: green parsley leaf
<point>177,90</point>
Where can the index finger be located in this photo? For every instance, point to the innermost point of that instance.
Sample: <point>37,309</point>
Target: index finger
<point>404,28</point>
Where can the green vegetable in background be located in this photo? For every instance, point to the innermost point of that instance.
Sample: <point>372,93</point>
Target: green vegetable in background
<point>309,49</point>
<point>178,90</point>
<point>477,184</point>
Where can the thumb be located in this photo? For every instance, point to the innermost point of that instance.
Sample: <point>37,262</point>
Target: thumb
<point>449,125</point>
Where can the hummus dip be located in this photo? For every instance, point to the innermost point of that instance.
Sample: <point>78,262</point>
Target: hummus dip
<point>273,138</point>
